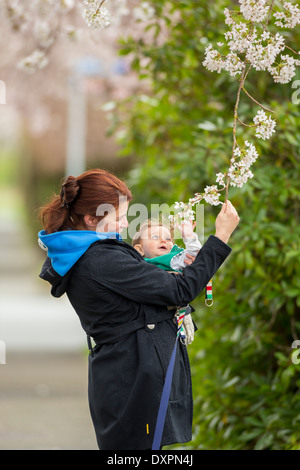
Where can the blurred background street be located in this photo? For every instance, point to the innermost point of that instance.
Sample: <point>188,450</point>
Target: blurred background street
<point>43,392</point>
<point>51,124</point>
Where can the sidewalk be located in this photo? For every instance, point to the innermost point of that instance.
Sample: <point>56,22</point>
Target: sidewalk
<point>43,402</point>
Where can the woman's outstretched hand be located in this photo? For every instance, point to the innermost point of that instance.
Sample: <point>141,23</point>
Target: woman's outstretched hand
<point>226,221</point>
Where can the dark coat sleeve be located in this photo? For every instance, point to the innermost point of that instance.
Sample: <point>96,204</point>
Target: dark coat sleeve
<point>144,283</point>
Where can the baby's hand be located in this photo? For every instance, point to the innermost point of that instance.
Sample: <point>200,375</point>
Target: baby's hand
<point>187,229</point>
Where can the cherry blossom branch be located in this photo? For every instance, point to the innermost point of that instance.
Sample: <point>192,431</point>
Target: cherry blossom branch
<point>243,39</point>
<point>256,102</point>
<point>243,124</point>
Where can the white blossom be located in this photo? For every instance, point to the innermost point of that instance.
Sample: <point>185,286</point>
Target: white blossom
<point>213,60</point>
<point>179,205</point>
<point>261,57</point>
<point>43,33</point>
<point>220,178</point>
<point>239,171</point>
<point>228,18</point>
<point>189,214</point>
<point>239,177</point>
<point>250,155</point>
<point>95,14</point>
<point>211,195</point>
<point>265,125</point>
<point>36,61</point>
<point>144,12</point>
<point>285,70</point>
<point>254,10</point>
<point>67,5</point>
<point>16,14</point>
<point>288,19</point>
<point>239,37</point>
<point>265,35</point>
<point>233,64</point>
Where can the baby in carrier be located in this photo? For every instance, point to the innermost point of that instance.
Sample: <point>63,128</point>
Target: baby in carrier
<point>154,241</point>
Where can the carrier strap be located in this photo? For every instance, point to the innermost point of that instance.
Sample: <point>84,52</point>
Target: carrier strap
<point>161,417</point>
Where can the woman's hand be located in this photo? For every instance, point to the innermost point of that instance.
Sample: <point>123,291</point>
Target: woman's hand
<point>226,221</point>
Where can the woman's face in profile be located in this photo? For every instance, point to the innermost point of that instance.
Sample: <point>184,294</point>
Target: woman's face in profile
<point>116,220</point>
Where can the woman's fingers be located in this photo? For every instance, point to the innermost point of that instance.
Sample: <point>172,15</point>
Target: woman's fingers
<point>189,259</point>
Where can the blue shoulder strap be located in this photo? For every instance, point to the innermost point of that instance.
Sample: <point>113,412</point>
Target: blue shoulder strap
<point>161,417</point>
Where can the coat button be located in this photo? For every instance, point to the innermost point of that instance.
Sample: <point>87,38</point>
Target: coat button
<point>151,326</point>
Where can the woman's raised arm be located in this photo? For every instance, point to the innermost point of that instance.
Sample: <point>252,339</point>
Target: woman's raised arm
<point>139,281</point>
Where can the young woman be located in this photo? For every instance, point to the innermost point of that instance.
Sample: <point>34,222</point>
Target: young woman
<point>121,301</point>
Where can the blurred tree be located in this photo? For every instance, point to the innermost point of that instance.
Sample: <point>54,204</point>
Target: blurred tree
<point>246,387</point>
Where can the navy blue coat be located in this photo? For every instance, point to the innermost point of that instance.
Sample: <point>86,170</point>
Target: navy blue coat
<point>117,295</point>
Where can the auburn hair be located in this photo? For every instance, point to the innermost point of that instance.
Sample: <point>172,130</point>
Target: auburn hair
<point>82,196</point>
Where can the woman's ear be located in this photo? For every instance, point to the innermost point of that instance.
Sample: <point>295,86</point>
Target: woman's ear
<point>90,222</point>
<point>139,248</point>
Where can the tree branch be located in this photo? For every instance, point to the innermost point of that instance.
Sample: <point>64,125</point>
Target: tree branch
<point>259,104</point>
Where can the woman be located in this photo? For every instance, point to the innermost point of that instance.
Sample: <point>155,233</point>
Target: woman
<point>122,304</point>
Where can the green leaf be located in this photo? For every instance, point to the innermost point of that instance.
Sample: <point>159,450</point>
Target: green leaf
<point>207,126</point>
<point>264,441</point>
<point>249,435</point>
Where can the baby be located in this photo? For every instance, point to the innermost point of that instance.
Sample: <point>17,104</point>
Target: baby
<point>155,243</point>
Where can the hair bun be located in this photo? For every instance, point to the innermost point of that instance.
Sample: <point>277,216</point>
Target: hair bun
<point>69,191</point>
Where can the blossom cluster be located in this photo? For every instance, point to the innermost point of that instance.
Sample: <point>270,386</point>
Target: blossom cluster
<point>285,70</point>
<point>259,49</point>
<point>265,126</point>
<point>254,10</point>
<point>288,19</point>
<point>239,172</point>
<point>143,12</point>
<point>186,212</point>
<point>35,61</point>
<point>95,14</point>
<point>39,17</point>
<point>215,62</point>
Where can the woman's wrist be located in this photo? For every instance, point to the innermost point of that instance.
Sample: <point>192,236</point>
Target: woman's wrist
<point>222,237</point>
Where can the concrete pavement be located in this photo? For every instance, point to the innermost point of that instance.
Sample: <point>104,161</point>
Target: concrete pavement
<point>43,402</point>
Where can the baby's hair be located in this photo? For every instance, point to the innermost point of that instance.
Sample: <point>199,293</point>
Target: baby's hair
<point>145,226</point>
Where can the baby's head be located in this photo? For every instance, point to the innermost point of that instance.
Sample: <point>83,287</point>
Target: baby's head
<point>153,239</point>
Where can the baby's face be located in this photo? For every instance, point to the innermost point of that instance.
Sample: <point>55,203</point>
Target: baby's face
<point>156,241</point>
